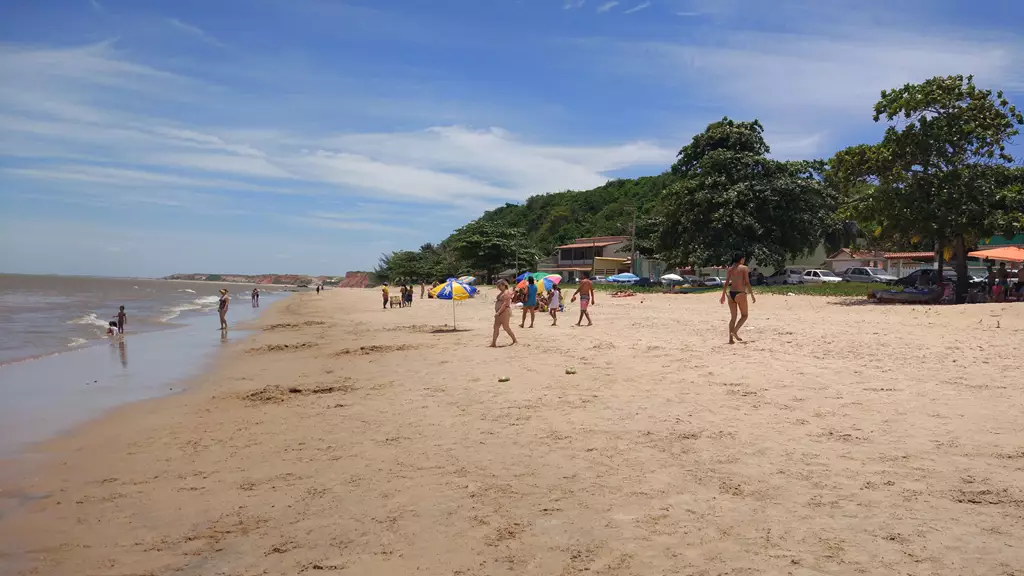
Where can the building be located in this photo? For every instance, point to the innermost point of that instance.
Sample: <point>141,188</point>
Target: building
<point>601,256</point>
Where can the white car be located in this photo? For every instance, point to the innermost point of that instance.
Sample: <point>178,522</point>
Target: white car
<point>821,277</point>
<point>787,275</point>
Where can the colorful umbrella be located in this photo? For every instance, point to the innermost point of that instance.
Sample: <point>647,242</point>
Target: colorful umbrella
<point>453,290</point>
<point>467,279</point>
<point>522,276</point>
<point>553,278</point>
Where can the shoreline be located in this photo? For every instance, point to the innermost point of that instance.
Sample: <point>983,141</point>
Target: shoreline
<point>345,439</point>
<point>48,394</point>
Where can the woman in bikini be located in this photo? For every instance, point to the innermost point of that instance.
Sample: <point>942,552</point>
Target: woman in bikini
<point>502,313</point>
<point>736,287</point>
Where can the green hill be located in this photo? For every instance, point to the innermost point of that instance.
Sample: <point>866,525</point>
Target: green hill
<point>557,218</point>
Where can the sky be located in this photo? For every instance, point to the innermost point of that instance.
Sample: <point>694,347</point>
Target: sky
<point>310,136</point>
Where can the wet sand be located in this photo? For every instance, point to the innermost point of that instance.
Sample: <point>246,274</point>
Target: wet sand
<point>341,439</point>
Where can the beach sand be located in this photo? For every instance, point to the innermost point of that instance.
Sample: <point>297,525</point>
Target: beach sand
<point>842,438</point>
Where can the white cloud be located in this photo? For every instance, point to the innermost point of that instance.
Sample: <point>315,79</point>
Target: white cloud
<point>570,4</point>
<point>606,7</point>
<point>73,130</point>
<point>808,85</point>
<point>195,31</point>
<point>96,6</point>
<point>638,7</point>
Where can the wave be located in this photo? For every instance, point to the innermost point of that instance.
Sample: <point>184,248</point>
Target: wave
<point>188,290</point>
<point>203,302</point>
<point>90,319</point>
<point>77,342</point>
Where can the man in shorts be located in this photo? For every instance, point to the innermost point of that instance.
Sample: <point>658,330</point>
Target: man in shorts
<point>586,294</point>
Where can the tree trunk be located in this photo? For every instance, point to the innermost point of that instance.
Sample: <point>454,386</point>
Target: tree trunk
<point>962,280</point>
<point>939,249</point>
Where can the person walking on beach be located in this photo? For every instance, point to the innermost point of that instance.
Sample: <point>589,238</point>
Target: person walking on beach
<point>317,289</point>
<point>1003,282</point>
<point>554,303</point>
<point>586,294</point>
<point>255,297</point>
<point>737,283</point>
<point>502,313</point>
<point>222,308</point>
<point>384,293</point>
<point>121,318</point>
<point>531,302</point>
<point>408,295</point>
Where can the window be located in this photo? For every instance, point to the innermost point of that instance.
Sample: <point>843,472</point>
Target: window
<point>808,274</point>
<point>815,275</point>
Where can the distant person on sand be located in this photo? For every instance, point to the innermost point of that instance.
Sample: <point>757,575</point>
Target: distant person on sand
<point>255,297</point>
<point>423,289</point>
<point>531,301</point>
<point>384,293</point>
<point>554,303</point>
<point>222,308</point>
<point>408,295</point>
<point>317,289</point>
<point>502,313</point>
<point>401,297</point>
<point>737,283</point>
<point>586,294</point>
<point>1002,281</point>
<point>121,318</point>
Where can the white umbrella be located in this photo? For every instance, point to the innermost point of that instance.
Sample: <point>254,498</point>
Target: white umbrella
<point>672,278</point>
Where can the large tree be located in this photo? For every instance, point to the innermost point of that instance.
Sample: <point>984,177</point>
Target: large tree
<point>942,170</point>
<point>731,197</point>
<point>489,247</point>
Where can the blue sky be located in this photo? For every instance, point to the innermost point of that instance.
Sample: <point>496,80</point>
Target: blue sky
<point>309,136</point>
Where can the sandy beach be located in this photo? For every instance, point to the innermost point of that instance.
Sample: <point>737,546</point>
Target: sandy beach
<point>841,438</point>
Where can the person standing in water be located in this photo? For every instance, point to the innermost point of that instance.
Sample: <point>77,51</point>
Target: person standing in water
<point>737,284</point>
<point>502,313</point>
<point>222,308</point>
<point>255,297</point>
<point>586,294</point>
<point>121,319</point>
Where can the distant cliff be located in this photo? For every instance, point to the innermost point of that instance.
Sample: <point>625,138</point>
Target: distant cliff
<point>350,280</point>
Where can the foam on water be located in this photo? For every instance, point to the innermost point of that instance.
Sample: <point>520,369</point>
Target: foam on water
<point>203,302</point>
<point>77,342</point>
<point>90,319</point>
<point>188,290</point>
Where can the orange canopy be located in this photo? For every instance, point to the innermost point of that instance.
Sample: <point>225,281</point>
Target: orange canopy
<point>1010,253</point>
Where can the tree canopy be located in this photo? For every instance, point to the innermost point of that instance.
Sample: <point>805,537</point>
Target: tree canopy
<point>730,197</point>
<point>942,170</point>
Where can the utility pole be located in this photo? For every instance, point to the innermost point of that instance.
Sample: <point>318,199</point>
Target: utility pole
<point>632,244</point>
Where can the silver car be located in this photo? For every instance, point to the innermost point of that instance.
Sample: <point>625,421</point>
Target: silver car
<point>867,275</point>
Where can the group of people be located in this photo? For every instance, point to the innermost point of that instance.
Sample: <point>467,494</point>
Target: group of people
<point>406,296</point>
<point>531,301</point>
<point>999,289</point>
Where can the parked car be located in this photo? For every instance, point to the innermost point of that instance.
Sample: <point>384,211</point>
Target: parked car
<point>647,282</point>
<point>947,274</point>
<point>787,275</point>
<point>821,277</point>
<point>691,280</point>
<point>599,280</point>
<point>711,282</point>
<point>864,274</point>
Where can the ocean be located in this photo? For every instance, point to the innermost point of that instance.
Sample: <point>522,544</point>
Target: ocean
<point>42,315</point>
<point>58,369</point>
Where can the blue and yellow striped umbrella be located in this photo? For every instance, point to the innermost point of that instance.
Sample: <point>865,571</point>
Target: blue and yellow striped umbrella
<point>453,290</point>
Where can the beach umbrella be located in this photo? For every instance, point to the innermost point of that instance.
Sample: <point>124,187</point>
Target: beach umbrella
<point>522,276</point>
<point>453,290</point>
<point>467,279</point>
<point>672,278</point>
<point>624,277</point>
<point>553,278</point>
